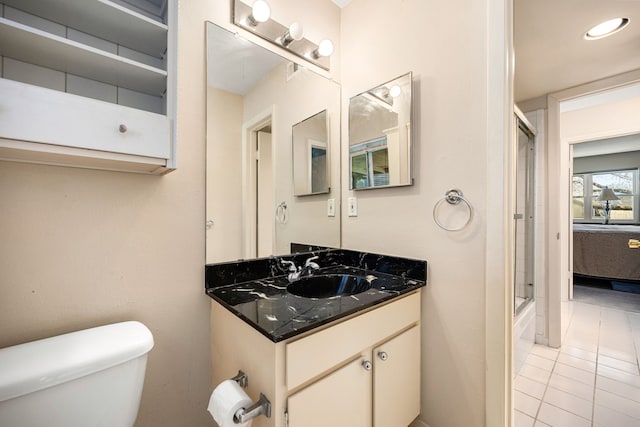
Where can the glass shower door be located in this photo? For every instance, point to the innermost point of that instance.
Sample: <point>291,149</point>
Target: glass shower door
<point>524,216</point>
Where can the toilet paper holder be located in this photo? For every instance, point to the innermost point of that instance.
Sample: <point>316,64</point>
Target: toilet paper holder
<point>261,407</point>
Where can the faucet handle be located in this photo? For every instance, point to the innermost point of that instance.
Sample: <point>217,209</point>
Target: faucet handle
<point>310,260</point>
<point>292,265</point>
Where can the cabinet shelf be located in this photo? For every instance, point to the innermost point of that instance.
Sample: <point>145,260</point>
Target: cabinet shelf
<point>38,47</point>
<point>104,19</point>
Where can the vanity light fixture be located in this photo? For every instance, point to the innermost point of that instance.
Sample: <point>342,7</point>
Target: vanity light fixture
<point>606,28</point>
<point>257,20</point>
<point>260,12</point>
<point>294,33</point>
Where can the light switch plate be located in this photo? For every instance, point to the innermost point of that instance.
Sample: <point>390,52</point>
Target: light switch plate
<point>331,207</point>
<point>353,206</point>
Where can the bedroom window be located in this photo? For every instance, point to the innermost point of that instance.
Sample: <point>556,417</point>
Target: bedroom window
<point>586,188</point>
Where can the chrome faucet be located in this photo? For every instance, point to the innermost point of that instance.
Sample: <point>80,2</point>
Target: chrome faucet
<point>296,272</point>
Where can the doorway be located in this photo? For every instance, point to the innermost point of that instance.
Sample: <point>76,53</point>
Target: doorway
<point>258,186</point>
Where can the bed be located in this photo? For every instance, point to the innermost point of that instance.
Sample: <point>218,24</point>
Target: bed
<point>602,251</point>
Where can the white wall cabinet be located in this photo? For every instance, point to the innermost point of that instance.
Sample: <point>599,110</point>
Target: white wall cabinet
<point>360,372</point>
<point>89,83</point>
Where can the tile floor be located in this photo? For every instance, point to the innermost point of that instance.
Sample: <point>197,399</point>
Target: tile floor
<point>592,381</point>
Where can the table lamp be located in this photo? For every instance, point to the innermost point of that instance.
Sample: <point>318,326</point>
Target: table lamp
<point>607,195</point>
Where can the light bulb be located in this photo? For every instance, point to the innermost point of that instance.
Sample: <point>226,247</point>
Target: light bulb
<point>395,91</point>
<point>325,48</point>
<point>260,12</point>
<point>295,33</point>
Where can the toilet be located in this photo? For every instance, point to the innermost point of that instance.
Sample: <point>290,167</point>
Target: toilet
<point>87,378</point>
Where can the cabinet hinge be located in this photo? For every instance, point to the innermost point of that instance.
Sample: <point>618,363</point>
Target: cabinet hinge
<point>286,418</point>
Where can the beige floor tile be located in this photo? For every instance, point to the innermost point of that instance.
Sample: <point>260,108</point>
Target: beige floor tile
<point>568,402</point>
<point>560,386</point>
<point>577,374</point>
<point>619,375</point>
<point>618,387</point>
<point>579,353</point>
<point>540,362</point>
<point>544,351</point>
<point>622,365</point>
<point>577,362</point>
<point>526,404</point>
<point>557,417</point>
<point>522,420</point>
<point>535,373</point>
<point>572,386</point>
<point>627,354</point>
<point>618,403</point>
<point>529,386</point>
<point>606,417</point>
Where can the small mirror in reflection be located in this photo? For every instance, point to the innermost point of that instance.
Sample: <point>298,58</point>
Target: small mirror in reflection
<point>310,152</point>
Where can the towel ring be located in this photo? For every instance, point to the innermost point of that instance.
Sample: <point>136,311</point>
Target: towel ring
<point>282,216</point>
<point>453,197</point>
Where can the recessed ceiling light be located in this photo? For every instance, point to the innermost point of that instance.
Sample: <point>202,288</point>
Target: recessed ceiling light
<point>606,28</point>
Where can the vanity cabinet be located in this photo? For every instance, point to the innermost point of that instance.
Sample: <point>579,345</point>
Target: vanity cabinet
<point>380,388</point>
<point>89,83</point>
<point>360,372</point>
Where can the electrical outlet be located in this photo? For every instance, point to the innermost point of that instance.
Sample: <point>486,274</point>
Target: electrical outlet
<point>353,206</point>
<point>331,207</point>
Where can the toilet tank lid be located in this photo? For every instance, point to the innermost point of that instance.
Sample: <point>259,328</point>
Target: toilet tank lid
<point>29,367</point>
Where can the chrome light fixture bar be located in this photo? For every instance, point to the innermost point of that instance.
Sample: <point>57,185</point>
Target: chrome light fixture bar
<point>288,38</point>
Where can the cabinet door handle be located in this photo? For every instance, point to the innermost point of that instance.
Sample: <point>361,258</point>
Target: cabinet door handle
<point>383,355</point>
<point>366,364</point>
<point>122,128</point>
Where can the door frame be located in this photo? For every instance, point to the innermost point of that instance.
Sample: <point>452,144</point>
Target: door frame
<point>250,130</point>
<point>559,157</point>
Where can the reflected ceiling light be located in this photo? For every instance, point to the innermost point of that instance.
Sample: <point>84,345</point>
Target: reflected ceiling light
<point>294,33</point>
<point>395,91</point>
<point>325,48</point>
<point>260,12</point>
<point>606,28</point>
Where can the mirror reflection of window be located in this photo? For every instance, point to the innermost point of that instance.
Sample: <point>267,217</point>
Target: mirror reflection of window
<point>359,171</point>
<point>370,164</point>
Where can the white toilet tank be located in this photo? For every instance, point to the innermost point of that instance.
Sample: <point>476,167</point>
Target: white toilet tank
<point>88,378</point>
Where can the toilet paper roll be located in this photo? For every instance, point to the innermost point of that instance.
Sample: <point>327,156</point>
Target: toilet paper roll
<point>225,400</point>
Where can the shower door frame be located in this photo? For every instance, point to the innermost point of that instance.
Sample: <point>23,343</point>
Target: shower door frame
<point>521,123</point>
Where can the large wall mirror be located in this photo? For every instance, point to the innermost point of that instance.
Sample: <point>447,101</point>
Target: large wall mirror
<point>257,104</point>
<point>380,136</point>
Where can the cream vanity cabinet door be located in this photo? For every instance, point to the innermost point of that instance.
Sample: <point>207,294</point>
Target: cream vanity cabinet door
<point>396,380</point>
<point>341,399</point>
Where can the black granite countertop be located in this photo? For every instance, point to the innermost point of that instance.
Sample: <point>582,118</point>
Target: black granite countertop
<point>256,290</point>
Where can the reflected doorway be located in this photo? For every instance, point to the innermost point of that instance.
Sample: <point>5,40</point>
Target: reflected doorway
<point>258,187</point>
